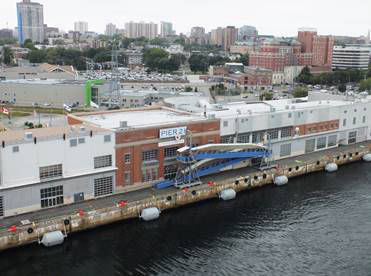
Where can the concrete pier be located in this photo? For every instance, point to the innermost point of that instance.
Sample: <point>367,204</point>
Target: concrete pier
<point>88,215</point>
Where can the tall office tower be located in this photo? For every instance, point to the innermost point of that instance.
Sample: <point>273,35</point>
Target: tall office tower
<point>81,27</point>
<point>111,29</point>
<point>166,29</point>
<point>30,21</point>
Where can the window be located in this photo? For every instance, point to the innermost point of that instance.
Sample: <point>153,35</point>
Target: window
<point>102,161</point>
<point>73,143</point>
<point>332,140</point>
<point>127,178</point>
<point>273,134</point>
<point>344,122</point>
<point>354,120</point>
<point>107,138</point>
<point>170,171</point>
<point>364,119</point>
<point>352,137</point>
<point>1,206</point>
<point>103,186</point>
<point>227,139</point>
<point>149,155</point>
<point>127,158</point>
<point>81,140</point>
<point>50,171</point>
<point>225,123</point>
<point>170,152</point>
<point>321,142</point>
<point>16,149</point>
<point>310,145</point>
<point>285,150</point>
<point>243,138</point>
<point>51,196</point>
<point>286,132</point>
<point>149,174</point>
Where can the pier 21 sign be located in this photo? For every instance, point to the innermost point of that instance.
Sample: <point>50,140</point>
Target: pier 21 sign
<point>172,132</point>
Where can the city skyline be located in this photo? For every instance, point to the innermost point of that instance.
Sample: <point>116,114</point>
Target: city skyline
<point>287,15</point>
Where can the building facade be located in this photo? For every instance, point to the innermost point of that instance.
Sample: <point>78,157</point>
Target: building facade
<point>81,27</point>
<point>111,29</point>
<point>146,149</point>
<point>320,46</point>
<point>166,29</point>
<point>141,29</point>
<point>246,33</point>
<point>30,21</point>
<point>348,57</point>
<point>82,167</point>
<point>6,34</point>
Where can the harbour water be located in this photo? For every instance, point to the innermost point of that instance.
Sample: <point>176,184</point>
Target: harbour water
<point>319,224</point>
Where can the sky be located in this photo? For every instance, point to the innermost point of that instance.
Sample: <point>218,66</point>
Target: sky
<point>270,17</point>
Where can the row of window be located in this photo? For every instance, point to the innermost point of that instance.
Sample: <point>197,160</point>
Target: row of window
<point>76,141</point>
<point>1,206</point>
<point>102,161</point>
<point>257,137</point>
<point>149,174</point>
<point>354,121</point>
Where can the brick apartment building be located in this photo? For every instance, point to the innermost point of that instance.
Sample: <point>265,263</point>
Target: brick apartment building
<point>147,140</point>
<point>320,46</point>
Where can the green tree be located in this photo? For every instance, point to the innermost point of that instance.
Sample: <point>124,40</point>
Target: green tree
<point>198,63</point>
<point>244,60</point>
<point>188,89</point>
<point>342,88</point>
<point>305,76</point>
<point>365,85</point>
<point>37,56</point>
<point>28,44</point>
<point>300,92</point>
<point>7,55</point>
<point>267,96</point>
<point>152,58</point>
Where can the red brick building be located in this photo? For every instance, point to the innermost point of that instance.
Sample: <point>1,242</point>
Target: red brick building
<point>277,54</point>
<point>320,46</point>
<point>147,140</point>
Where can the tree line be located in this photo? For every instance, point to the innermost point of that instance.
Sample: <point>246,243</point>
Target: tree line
<point>333,78</point>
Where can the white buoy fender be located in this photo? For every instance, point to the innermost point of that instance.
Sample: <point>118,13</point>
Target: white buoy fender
<point>331,167</point>
<point>228,194</point>
<point>52,238</point>
<point>281,180</point>
<point>367,157</point>
<point>150,214</point>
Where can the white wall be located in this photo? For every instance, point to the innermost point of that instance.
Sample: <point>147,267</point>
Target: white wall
<point>23,167</point>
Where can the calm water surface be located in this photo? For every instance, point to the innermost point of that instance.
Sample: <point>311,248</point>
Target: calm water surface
<point>317,225</point>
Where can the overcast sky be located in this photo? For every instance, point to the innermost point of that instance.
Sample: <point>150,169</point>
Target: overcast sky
<point>276,17</point>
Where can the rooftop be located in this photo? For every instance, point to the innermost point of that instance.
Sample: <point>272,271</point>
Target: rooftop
<point>50,132</point>
<point>44,82</point>
<point>138,118</point>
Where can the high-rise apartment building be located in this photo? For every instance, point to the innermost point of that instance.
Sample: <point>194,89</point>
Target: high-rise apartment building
<point>351,57</point>
<point>230,37</point>
<point>141,29</point>
<point>166,29</point>
<point>81,27</point>
<point>30,21</point>
<point>320,46</point>
<point>111,29</point>
<point>217,37</point>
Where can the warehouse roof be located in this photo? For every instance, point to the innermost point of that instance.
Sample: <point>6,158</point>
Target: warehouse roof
<point>138,118</point>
